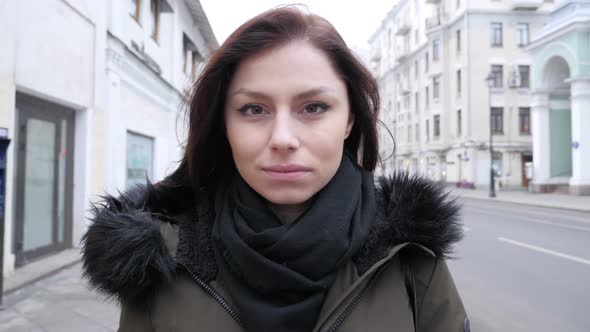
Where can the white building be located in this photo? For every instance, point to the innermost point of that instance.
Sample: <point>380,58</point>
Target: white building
<point>431,59</point>
<point>561,109</point>
<point>90,92</point>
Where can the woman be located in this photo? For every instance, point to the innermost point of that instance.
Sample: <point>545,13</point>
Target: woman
<point>272,221</point>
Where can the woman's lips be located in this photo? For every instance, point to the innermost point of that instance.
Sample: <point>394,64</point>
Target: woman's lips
<point>287,172</point>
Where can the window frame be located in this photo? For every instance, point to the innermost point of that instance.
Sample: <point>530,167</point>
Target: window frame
<point>137,14</point>
<point>524,112</point>
<point>497,120</point>
<point>459,81</point>
<point>436,125</point>
<point>436,87</point>
<point>496,34</point>
<point>435,50</point>
<point>155,24</point>
<point>527,36</point>
<point>528,76</point>
<point>459,123</point>
<point>498,76</point>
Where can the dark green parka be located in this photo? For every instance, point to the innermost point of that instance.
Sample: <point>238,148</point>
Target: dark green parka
<point>159,265</point>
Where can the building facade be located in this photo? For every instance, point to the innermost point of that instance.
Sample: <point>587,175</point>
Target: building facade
<point>91,94</point>
<point>431,59</point>
<point>561,106</point>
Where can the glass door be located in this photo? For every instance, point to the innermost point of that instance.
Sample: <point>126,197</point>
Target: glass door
<point>44,178</point>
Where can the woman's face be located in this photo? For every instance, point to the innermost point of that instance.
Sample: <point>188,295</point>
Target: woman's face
<point>287,115</point>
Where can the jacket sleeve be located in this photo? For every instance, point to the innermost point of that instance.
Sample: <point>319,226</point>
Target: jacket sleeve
<point>440,308</point>
<point>132,320</point>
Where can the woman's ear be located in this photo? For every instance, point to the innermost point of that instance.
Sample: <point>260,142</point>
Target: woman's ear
<point>349,125</point>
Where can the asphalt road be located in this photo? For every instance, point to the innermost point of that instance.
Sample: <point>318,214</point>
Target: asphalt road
<point>524,268</point>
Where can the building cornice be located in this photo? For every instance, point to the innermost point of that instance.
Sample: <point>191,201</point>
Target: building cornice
<point>123,61</point>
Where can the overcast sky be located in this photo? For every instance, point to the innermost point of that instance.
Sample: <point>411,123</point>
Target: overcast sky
<point>355,20</point>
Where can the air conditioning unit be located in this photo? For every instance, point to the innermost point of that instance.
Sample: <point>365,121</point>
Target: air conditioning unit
<point>514,78</point>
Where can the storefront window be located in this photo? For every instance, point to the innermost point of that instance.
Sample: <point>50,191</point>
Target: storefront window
<point>140,159</point>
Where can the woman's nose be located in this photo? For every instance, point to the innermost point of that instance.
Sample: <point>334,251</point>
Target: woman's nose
<point>284,132</point>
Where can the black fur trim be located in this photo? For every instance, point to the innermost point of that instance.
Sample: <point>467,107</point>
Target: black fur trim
<point>124,254</point>
<point>410,209</point>
<point>126,258</point>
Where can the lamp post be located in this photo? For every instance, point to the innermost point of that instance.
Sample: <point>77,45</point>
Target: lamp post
<point>490,82</point>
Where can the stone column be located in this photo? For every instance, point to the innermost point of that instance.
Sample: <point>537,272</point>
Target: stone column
<point>580,98</point>
<point>541,138</point>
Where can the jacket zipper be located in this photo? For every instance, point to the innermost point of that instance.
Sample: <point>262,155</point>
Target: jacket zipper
<point>357,299</point>
<point>209,290</point>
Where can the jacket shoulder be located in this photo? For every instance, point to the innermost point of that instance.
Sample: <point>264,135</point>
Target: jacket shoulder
<point>411,209</point>
<point>128,249</point>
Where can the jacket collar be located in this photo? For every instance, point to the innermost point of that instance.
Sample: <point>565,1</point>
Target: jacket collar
<point>127,256</point>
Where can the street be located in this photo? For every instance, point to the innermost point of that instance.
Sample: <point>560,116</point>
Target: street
<point>518,269</point>
<point>524,268</point>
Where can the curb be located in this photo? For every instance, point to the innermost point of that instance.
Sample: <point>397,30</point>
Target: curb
<point>523,203</point>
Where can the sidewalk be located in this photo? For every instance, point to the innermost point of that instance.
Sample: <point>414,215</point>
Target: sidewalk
<point>557,201</point>
<point>60,303</point>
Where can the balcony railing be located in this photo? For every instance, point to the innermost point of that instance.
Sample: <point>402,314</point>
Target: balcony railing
<point>526,4</point>
<point>403,27</point>
<point>435,21</point>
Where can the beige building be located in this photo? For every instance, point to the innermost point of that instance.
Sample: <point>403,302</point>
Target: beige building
<point>90,94</point>
<point>431,59</point>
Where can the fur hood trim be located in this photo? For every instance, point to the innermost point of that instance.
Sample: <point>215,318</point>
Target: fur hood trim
<point>126,256</point>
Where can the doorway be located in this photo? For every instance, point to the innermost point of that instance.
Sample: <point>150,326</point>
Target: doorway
<point>44,178</point>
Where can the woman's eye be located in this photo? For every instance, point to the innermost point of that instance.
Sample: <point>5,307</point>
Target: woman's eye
<point>315,108</point>
<point>252,110</point>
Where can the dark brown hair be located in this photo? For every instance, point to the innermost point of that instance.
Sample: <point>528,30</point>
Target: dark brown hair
<point>207,156</point>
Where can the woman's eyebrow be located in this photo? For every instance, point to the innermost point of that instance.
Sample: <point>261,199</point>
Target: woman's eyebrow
<point>305,94</point>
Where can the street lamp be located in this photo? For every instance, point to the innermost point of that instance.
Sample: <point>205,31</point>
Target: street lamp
<point>490,82</point>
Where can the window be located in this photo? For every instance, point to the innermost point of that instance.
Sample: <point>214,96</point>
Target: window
<point>435,50</point>
<point>497,120</point>
<point>497,75</point>
<point>459,123</point>
<point>437,125</point>
<point>524,72</point>
<point>134,9</point>
<point>459,82</point>
<point>154,19</point>
<point>417,37</point>
<point>191,57</point>
<point>427,130</point>
<point>416,69</point>
<point>140,159</point>
<point>417,101</point>
<point>409,133</point>
<point>407,103</point>
<point>436,87</point>
<point>458,4</point>
<point>523,34</point>
<point>524,116</point>
<point>458,41</point>
<point>496,34</point>
<point>426,97</point>
<point>426,62</point>
<point>417,132</point>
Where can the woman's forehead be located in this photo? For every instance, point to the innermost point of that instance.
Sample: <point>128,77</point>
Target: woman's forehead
<point>296,66</point>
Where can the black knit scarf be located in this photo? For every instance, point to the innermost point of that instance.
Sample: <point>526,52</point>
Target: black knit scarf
<point>278,274</point>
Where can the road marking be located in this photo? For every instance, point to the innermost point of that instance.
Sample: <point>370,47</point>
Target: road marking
<point>546,251</point>
<point>496,214</point>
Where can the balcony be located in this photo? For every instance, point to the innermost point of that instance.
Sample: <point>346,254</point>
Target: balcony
<point>526,4</point>
<point>401,54</point>
<point>403,27</point>
<point>435,21</point>
<point>433,2</point>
